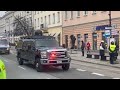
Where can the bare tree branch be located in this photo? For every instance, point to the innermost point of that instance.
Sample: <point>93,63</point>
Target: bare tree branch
<point>22,26</point>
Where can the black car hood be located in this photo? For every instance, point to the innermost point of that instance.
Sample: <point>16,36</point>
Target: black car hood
<point>49,48</point>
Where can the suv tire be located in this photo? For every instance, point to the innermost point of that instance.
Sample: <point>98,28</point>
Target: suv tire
<point>8,52</point>
<point>65,67</point>
<point>20,61</point>
<point>38,65</point>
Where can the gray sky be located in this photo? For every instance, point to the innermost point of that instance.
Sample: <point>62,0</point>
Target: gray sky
<point>2,13</point>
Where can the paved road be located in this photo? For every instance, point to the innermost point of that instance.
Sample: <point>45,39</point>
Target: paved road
<point>78,70</point>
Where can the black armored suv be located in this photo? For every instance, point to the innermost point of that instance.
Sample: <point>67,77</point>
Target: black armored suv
<point>42,51</point>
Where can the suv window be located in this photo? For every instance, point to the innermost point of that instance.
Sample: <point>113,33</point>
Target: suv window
<point>27,43</point>
<point>24,46</point>
<point>47,43</point>
<point>4,42</point>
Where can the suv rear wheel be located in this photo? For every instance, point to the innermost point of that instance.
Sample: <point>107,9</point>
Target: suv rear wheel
<point>66,66</point>
<point>38,65</point>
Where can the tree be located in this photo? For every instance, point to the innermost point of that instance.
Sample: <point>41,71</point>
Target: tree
<point>22,27</point>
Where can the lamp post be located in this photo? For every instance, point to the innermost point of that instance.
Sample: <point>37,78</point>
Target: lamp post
<point>110,22</point>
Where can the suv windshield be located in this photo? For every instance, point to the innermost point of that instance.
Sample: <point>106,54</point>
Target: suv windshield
<point>47,43</point>
<point>4,42</point>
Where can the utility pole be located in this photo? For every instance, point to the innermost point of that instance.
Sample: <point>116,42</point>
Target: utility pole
<point>110,23</point>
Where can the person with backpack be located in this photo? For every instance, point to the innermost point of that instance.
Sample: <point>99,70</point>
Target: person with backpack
<point>88,47</point>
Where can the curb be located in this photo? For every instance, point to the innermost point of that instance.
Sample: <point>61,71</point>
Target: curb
<point>96,63</point>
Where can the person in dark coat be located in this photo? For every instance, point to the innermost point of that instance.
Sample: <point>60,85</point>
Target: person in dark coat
<point>82,48</point>
<point>116,51</point>
<point>102,50</point>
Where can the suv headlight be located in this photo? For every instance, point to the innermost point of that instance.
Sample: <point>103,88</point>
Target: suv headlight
<point>8,48</point>
<point>43,54</point>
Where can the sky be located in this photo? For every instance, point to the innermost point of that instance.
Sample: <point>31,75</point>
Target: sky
<point>2,13</point>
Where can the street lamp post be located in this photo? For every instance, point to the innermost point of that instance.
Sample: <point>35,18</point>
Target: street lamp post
<point>110,22</point>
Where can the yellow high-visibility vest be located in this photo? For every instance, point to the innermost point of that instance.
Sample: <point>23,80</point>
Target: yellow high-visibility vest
<point>2,70</point>
<point>112,47</point>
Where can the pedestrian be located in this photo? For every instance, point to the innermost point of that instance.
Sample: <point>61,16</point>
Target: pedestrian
<point>82,48</point>
<point>102,50</point>
<point>2,70</point>
<point>112,50</point>
<point>116,52</point>
<point>88,47</point>
<point>16,44</point>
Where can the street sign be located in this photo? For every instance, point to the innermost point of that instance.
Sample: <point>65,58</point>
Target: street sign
<point>114,32</point>
<point>107,33</point>
<point>108,28</point>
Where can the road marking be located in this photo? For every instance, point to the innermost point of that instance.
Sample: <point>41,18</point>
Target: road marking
<point>81,70</point>
<point>98,74</point>
<point>5,60</point>
<point>21,67</point>
<point>48,78</point>
<point>116,78</point>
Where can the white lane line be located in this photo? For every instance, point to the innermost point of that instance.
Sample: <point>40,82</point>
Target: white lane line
<point>48,78</point>
<point>98,74</point>
<point>6,61</point>
<point>116,78</point>
<point>21,67</point>
<point>81,70</point>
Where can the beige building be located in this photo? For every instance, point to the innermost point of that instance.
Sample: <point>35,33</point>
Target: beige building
<point>2,26</point>
<point>50,21</point>
<point>88,26</point>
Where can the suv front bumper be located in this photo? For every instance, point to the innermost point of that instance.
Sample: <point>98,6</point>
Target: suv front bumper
<point>55,62</point>
<point>4,51</point>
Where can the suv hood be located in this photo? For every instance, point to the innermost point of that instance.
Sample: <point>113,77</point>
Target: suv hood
<point>4,46</point>
<point>50,48</point>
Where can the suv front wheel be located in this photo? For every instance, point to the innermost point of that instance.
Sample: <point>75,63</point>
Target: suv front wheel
<point>38,65</point>
<point>20,60</point>
<point>66,66</point>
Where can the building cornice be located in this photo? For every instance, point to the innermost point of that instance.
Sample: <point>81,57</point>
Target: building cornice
<point>91,22</point>
<point>55,27</point>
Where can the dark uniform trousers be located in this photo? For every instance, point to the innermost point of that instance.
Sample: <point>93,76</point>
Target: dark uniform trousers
<point>112,57</point>
<point>82,52</point>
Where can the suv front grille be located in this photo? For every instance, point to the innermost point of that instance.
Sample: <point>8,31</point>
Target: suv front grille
<point>2,48</point>
<point>59,54</point>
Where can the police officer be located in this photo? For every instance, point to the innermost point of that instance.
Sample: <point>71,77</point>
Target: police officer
<point>2,70</point>
<point>112,50</point>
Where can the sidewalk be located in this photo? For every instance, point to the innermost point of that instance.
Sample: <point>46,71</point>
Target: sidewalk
<point>78,57</point>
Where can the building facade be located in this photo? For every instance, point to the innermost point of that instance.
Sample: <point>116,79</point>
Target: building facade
<point>50,21</point>
<point>89,26</point>
<point>2,26</point>
<point>7,26</point>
